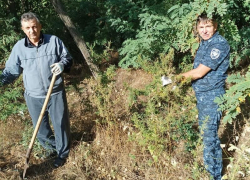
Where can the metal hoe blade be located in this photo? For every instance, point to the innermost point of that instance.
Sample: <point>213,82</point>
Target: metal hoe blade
<point>26,166</point>
<point>38,125</point>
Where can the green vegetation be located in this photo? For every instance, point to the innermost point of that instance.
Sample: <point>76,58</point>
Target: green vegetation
<point>152,126</point>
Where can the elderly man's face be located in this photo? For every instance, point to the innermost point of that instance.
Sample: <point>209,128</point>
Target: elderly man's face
<point>32,29</point>
<point>206,29</point>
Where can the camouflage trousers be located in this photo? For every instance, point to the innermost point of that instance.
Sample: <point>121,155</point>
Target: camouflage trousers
<point>209,121</point>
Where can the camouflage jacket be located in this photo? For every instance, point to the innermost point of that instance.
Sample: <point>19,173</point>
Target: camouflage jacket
<point>213,53</point>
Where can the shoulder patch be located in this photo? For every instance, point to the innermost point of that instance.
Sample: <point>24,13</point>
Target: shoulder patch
<point>215,53</point>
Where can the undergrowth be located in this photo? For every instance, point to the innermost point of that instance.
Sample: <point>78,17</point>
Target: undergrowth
<point>11,100</point>
<point>145,133</point>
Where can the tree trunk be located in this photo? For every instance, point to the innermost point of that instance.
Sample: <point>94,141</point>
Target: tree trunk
<point>76,36</point>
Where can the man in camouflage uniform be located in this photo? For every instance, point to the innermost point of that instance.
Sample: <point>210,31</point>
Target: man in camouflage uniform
<point>208,80</point>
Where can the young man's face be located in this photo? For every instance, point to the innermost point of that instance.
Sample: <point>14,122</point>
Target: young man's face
<point>206,29</point>
<point>32,30</point>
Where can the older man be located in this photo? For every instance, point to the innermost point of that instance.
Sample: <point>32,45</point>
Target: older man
<point>38,56</point>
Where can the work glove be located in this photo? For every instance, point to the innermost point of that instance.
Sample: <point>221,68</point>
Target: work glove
<point>166,80</point>
<point>57,68</point>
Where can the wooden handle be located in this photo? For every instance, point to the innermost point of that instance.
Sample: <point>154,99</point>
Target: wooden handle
<point>38,125</point>
<point>42,111</point>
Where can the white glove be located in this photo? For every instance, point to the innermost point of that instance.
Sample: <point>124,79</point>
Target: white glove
<point>57,68</point>
<point>165,80</point>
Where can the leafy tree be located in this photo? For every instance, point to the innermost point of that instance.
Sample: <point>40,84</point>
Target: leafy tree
<point>159,32</point>
<point>237,94</point>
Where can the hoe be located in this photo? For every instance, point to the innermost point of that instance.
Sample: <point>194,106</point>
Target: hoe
<point>38,125</point>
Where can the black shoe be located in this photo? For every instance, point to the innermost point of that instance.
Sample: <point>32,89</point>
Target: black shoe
<point>59,162</point>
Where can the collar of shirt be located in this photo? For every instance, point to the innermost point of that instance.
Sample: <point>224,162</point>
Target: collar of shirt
<point>30,45</point>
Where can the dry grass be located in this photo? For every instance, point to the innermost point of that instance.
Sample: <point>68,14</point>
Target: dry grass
<point>106,151</point>
<point>111,155</point>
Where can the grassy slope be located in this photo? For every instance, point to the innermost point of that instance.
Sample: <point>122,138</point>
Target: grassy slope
<point>100,152</point>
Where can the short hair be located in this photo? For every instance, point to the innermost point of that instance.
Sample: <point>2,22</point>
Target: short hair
<point>29,16</point>
<point>203,17</point>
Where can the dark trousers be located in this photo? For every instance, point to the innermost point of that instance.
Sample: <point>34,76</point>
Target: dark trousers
<point>57,110</point>
<point>209,121</point>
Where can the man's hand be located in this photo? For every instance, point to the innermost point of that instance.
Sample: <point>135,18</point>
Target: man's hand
<point>166,80</point>
<point>57,68</point>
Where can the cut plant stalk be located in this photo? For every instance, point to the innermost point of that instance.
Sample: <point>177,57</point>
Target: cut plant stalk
<point>26,166</point>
